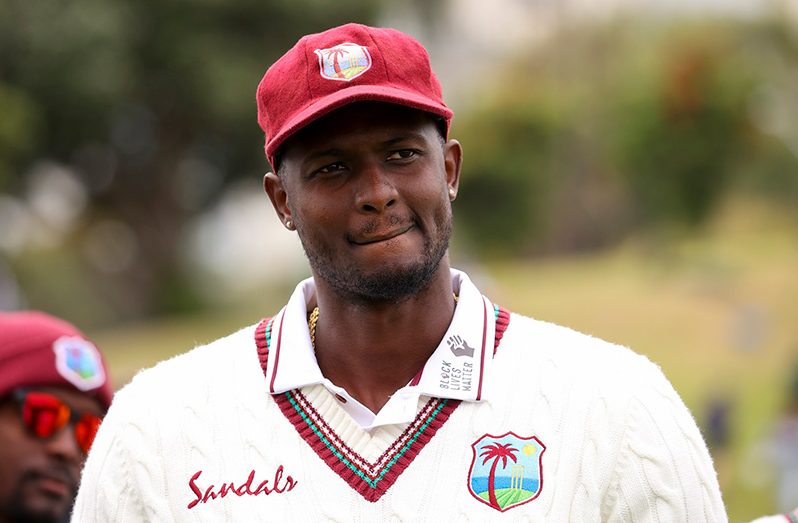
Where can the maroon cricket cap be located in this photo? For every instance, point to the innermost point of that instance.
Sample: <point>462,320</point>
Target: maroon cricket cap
<point>37,349</point>
<point>345,64</point>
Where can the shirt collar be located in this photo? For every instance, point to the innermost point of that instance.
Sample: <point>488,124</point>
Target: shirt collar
<point>458,369</point>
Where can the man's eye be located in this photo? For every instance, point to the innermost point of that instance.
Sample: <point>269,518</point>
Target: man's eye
<point>331,168</point>
<point>402,154</point>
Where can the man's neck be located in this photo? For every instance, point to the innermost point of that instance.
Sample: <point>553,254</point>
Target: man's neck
<point>374,350</point>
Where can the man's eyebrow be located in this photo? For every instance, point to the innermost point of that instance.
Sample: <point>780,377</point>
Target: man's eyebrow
<point>337,151</point>
<point>402,138</point>
<point>315,155</point>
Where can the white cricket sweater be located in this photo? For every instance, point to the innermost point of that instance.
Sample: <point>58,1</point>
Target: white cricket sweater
<point>589,432</point>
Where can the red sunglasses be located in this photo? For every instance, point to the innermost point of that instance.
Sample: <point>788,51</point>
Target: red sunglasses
<point>45,414</point>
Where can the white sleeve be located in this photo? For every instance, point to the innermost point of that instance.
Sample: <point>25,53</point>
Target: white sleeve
<point>116,481</point>
<point>664,472</point>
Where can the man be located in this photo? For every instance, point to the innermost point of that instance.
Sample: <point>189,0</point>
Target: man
<point>389,387</point>
<point>53,393</point>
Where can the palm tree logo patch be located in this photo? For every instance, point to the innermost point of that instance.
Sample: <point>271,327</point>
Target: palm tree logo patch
<point>506,471</point>
<point>78,361</point>
<point>343,62</point>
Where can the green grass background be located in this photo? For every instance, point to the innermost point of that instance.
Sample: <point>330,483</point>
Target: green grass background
<point>679,298</point>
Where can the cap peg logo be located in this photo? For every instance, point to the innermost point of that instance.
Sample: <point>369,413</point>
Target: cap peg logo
<point>79,362</point>
<point>343,62</point>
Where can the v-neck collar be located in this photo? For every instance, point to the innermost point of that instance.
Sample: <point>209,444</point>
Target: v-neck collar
<point>458,369</point>
<point>369,461</point>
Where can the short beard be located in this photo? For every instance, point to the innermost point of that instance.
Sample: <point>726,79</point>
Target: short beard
<point>385,286</point>
<point>17,510</point>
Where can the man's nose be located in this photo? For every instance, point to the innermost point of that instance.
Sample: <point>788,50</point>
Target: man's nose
<point>375,190</point>
<point>64,446</point>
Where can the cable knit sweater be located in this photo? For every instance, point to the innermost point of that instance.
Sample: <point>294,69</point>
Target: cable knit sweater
<point>595,431</point>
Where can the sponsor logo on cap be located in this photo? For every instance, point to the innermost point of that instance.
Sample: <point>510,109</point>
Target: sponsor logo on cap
<point>78,361</point>
<point>343,62</point>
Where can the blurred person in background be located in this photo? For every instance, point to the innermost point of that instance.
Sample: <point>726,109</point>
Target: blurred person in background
<point>781,448</point>
<point>789,517</point>
<point>54,390</point>
<point>778,452</point>
<point>717,429</point>
<point>389,387</point>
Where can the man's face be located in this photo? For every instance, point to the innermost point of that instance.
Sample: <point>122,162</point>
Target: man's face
<point>39,477</point>
<point>367,187</point>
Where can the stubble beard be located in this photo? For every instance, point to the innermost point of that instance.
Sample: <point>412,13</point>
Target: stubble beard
<point>383,285</point>
<point>17,507</point>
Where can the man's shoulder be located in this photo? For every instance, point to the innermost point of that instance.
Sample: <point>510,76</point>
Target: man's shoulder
<point>198,369</point>
<point>214,353</point>
<point>573,353</point>
<point>578,371</point>
<point>555,339</point>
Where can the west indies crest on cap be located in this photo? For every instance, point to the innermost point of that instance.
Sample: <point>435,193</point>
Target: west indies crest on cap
<point>345,64</point>
<point>79,362</point>
<point>37,349</point>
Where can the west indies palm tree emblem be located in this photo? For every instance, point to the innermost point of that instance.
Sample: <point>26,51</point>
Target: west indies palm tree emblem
<point>506,471</point>
<point>78,361</point>
<point>343,62</point>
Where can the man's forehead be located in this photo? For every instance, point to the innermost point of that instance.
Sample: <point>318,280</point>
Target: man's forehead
<point>376,120</point>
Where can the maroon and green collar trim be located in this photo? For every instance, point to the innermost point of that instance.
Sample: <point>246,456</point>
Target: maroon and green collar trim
<point>370,480</point>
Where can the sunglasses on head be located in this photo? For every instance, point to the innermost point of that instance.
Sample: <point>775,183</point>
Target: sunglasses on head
<point>45,414</point>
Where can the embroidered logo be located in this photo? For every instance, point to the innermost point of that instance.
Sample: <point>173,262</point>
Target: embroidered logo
<point>246,488</point>
<point>78,361</point>
<point>460,347</point>
<point>343,62</point>
<point>506,471</point>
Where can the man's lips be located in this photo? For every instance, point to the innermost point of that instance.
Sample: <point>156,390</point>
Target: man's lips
<point>55,483</point>
<point>375,238</point>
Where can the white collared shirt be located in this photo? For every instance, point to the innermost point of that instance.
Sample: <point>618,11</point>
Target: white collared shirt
<point>458,369</point>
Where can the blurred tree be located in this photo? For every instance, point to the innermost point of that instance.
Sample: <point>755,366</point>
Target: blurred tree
<point>508,183</point>
<point>677,140</point>
<point>151,104</point>
<point>610,128</point>
<point>535,142</point>
<point>603,129</point>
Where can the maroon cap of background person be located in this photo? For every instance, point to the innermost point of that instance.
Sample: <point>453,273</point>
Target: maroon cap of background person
<point>345,64</point>
<point>37,349</point>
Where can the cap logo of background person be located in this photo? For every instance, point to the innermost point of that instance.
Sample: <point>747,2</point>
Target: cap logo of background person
<point>343,62</point>
<point>78,361</point>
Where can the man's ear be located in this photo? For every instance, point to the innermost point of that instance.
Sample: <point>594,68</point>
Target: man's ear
<point>273,186</point>
<point>453,160</point>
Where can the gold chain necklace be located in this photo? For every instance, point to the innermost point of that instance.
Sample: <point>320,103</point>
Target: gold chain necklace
<point>314,319</point>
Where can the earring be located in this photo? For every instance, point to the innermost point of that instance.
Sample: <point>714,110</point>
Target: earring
<point>289,225</point>
<point>452,193</point>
